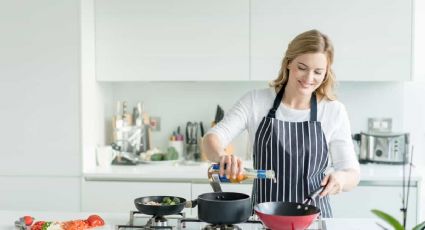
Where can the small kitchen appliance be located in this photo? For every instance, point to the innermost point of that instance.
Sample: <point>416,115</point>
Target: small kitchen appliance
<point>387,148</point>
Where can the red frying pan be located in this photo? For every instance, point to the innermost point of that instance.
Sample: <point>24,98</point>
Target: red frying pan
<point>288,215</point>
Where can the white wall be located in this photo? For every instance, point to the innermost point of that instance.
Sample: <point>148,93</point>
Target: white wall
<point>419,41</point>
<point>414,103</point>
<point>414,108</point>
<point>177,103</point>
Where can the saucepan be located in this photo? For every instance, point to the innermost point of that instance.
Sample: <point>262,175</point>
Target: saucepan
<point>288,215</point>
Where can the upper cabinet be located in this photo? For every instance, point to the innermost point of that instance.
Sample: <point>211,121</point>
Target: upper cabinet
<point>199,40</point>
<point>166,40</point>
<point>372,39</point>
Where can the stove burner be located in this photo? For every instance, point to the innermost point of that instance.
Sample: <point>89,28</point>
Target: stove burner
<point>184,221</point>
<point>121,227</point>
<point>154,222</point>
<point>157,221</point>
<point>221,227</point>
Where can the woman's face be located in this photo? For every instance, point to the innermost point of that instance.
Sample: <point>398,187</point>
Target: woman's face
<point>306,72</point>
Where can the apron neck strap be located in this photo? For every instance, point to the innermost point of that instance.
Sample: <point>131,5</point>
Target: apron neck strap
<point>278,99</point>
<point>313,107</point>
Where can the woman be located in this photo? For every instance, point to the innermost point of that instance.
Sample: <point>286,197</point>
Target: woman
<point>292,125</point>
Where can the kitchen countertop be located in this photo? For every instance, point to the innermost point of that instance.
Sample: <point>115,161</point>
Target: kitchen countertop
<point>7,219</point>
<point>197,173</point>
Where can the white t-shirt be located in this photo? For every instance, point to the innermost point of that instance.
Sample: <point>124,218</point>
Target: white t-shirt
<point>248,112</point>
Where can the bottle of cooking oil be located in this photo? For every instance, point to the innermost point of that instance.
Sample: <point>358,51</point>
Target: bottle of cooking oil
<point>214,174</point>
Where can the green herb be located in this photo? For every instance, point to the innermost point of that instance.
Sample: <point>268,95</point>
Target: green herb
<point>170,201</point>
<point>46,225</point>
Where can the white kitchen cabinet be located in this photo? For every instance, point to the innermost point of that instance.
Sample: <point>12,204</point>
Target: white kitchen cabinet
<point>33,193</point>
<point>376,195</point>
<point>118,196</point>
<point>372,39</point>
<point>39,90</point>
<point>198,189</point>
<point>168,40</point>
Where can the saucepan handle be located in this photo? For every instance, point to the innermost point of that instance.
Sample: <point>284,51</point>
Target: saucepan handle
<point>313,195</point>
<point>191,203</point>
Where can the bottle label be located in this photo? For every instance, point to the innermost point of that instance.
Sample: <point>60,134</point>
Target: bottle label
<point>217,177</point>
<point>261,174</point>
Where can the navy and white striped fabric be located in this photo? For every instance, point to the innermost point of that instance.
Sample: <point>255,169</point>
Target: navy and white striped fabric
<point>297,152</point>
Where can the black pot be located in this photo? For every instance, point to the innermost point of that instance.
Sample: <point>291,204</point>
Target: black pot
<point>224,207</point>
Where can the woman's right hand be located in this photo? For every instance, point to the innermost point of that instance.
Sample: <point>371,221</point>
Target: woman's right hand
<point>234,166</point>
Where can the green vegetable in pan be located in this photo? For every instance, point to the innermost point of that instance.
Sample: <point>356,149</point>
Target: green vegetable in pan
<point>170,201</point>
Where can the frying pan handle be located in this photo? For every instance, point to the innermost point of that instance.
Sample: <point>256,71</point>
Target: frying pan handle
<point>191,203</point>
<point>313,195</point>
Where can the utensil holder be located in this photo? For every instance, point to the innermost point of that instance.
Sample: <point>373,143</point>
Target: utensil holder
<point>192,152</point>
<point>179,146</point>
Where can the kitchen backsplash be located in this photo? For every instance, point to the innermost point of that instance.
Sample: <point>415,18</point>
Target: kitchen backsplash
<point>178,102</point>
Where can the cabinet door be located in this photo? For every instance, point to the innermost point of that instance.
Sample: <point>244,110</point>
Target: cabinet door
<point>172,40</point>
<point>113,196</point>
<point>198,189</point>
<point>39,89</point>
<point>372,39</point>
<point>359,202</point>
<point>35,193</point>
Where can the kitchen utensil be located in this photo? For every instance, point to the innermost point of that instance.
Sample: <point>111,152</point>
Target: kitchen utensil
<point>123,158</point>
<point>192,148</point>
<point>288,215</point>
<point>192,132</point>
<point>388,148</point>
<point>159,210</point>
<point>215,185</point>
<point>201,126</point>
<point>224,207</point>
<point>219,114</point>
<point>188,132</point>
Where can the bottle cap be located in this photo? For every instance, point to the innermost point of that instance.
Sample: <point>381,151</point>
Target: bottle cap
<point>215,166</point>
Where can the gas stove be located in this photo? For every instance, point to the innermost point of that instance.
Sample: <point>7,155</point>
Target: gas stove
<point>140,221</point>
<point>190,223</point>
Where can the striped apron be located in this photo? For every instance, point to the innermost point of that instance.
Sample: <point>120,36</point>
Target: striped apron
<point>297,152</point>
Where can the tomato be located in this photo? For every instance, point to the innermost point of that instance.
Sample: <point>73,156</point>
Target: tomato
<point>28,220</point>
<point>95,220</point>
<point>37,225</point>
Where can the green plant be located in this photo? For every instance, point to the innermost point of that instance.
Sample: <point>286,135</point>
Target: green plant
<point>394,222</point>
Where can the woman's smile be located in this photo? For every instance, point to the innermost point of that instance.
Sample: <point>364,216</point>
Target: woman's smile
<point>305,85</point>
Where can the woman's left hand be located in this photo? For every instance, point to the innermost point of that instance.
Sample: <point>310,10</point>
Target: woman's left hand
<point>333,183</point>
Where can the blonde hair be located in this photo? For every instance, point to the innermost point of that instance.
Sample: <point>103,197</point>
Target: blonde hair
<point>312,41</point>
